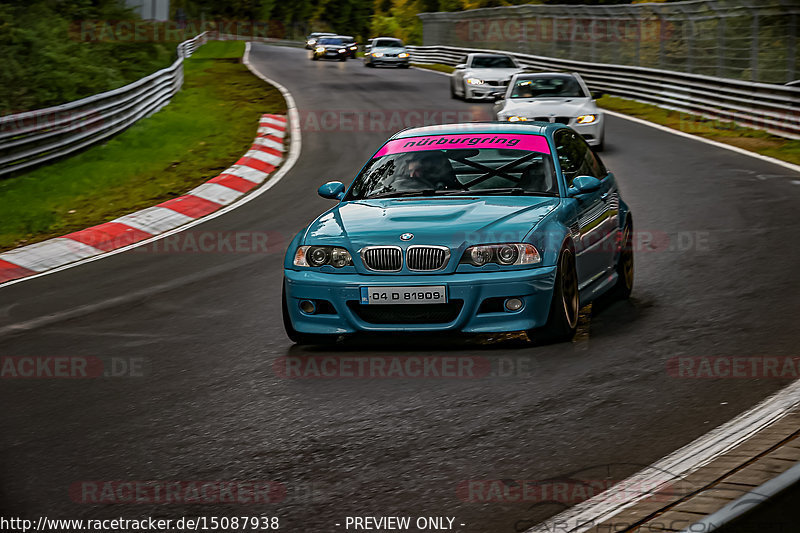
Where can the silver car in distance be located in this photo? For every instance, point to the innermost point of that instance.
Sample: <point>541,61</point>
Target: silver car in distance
<point>553,97</point>
<point>482,75</point>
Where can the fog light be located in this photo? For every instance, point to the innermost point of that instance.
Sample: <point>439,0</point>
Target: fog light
<point>308,307</point>
<point>513,304</point>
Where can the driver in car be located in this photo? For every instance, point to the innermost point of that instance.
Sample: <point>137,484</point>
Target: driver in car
<point>427,171</point>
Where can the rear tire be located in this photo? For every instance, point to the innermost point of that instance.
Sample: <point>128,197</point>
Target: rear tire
<point>562,321</point>
<point>302,339</point>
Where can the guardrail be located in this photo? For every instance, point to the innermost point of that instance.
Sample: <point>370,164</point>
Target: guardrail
<point>763,106</point>
<point>36,137</point>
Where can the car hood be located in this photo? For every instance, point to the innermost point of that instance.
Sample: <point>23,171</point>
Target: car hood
<point>453,222</point>
<point>491,73</point>
<point>534,107</point>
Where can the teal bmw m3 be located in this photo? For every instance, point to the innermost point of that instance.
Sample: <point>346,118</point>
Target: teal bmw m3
<point>474,228</point>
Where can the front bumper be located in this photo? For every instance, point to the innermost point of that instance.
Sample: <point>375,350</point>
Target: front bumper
<point>592,133</point>
<point>476,300</point>
<point>482,92</point>
<point>395,61</point>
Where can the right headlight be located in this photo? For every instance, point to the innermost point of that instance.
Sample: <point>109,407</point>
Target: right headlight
<point>317,256</point>
<point>320,49</point>
<point>503,254</point>
<point>586,119</point>
<point>516,118</point>
<point>377,54</point>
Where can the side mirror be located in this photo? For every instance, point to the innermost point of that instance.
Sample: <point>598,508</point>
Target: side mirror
<point>333,190</point>
<point>597,94</point>
<point>498,95</point>
<point>584,185</point>
<point>461,66</point>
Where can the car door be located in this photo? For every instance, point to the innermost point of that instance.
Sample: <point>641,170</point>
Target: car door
<point>590,228</point>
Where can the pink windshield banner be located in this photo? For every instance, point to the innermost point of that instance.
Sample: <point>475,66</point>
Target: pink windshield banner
<point>531,143</point>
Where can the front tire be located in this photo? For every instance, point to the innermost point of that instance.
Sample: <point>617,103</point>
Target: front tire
<point>624,286</point>
<point>562,321</point>
<point>301,339</point>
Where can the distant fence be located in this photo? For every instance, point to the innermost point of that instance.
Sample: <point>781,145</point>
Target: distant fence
<point>36,137</point>
<point>773,108</point>
<point>754,40</point>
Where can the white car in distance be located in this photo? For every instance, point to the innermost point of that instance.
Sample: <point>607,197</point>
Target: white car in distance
<point>554,97</point>
<point>482,75</point>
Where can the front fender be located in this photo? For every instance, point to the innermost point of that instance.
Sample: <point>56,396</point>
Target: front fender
<point>288,260</point>
<point>550,233</point>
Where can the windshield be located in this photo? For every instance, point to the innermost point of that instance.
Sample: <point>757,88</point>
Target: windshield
<point>387,44</point>
<point>492,62</point>
<point>472,168</point>
<point>331,41</point>
<point>542,86</point>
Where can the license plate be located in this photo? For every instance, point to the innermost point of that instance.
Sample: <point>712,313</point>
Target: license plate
<point>436,294</point>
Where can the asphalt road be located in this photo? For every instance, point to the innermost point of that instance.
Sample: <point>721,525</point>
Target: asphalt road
<point>716,276</point>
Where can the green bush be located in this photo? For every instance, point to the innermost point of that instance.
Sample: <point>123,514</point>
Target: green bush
<point>45,65</point>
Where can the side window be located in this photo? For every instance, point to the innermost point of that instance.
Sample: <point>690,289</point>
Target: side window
<point>594,167</point>
<point>571,153</point>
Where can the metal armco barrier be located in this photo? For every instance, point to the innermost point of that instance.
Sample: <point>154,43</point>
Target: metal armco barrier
<point>36,137</point>
<point>764,106</point>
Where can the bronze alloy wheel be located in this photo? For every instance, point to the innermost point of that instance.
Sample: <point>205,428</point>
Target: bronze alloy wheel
<point>569,288</point>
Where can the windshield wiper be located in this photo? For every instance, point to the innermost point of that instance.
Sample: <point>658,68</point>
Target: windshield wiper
<point>502,190</point>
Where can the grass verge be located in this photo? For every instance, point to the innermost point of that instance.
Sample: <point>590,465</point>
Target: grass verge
<point>208,125</point>
<point>434,66</point>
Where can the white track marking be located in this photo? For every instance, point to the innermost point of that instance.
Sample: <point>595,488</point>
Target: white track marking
<point>677,465</point>
<point>267,130</point>
<point>247,173</point>
<point>214,192</point>
<point>270,143</point>
<point>154,219</point>
<point>295,146</point>
<point>47,254</point>
<point>268,158</point>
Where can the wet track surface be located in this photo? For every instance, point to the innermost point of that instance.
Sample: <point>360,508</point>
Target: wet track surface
<point>716,276</point>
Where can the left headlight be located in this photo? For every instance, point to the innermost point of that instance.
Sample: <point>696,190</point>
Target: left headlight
<point>320,49</point>
<point>475,81</point>
<point>502,254</point>
<point>586,119</point>
<point>516,118</point>
<point>402,54</point>
<point>342,50</point>
<point>317,256</point>
<point>377,54</point>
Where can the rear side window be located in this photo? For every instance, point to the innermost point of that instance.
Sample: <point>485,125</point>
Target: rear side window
<point>576,157</point>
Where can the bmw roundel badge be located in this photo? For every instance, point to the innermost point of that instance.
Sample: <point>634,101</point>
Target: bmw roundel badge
<point>406,236</point>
